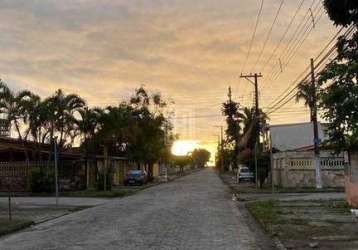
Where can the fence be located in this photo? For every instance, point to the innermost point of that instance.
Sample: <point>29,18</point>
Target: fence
<point>17,175</point>
<point>297,169</point>
<point>326,163</point>
<point>14,176</point>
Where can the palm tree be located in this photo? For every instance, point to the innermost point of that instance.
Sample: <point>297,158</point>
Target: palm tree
<point>17,108</point>
<point>116,129</point>
<point>13,106</point>
<point>60,116</point>
<point>250,122</point>
<point>87,126</point>
<point>306,92</point>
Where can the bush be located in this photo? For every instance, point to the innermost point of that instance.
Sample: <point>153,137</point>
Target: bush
<point>100,181</point>
<point>42,182</point>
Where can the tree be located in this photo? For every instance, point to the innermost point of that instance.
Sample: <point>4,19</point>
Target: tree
<point>138,129</point>
<point>115,133</point>
<point>306,92</point>
<point>338,96</point>
<point>17,109</point>
<point>200,157</point>
<point>249,122</point>
<point>342,12</point>
<point>149,145</point>
<point>181,161</point>
<point>88,125</point>
<point>230,109</point>
<point>60,117</point>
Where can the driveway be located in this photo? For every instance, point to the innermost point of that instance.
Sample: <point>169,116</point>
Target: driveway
<point>193,212</point>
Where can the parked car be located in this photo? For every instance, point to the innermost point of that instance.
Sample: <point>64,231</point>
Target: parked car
<point>244,174</point>
<point>136,177</point>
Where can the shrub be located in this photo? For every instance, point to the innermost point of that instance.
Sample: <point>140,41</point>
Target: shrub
<point>42,182</point>
<point>100,181</point>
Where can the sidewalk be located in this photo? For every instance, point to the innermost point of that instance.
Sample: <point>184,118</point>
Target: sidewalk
<point>300,220</point>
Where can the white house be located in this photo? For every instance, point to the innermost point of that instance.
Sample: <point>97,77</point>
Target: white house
<point>293,157</point>
<point>294,136</point>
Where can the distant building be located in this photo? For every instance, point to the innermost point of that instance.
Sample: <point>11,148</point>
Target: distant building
<point>293,157</point>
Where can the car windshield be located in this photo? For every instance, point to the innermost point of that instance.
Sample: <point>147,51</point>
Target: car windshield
<point>244,170</point>
<point>135,173</point>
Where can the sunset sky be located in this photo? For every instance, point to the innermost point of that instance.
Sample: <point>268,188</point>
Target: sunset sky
<point>190,51</point>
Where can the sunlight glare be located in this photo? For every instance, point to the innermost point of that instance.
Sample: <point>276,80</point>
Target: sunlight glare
<point>184,147</point>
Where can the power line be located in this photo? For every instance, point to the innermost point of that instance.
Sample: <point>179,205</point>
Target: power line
<point>293,52</point>
<point>270,32</point>
<point>277,101</point>
<point>285,33</point>
<point>253,35</point>
<point>296,40</point>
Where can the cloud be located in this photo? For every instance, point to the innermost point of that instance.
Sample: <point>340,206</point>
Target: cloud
<point>188,50</point>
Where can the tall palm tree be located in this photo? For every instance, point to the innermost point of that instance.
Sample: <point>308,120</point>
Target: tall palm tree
<point>249,121</point>
<point>60,117</point>
<point>16,107</point>
<point>87,126</point>
<point>306,93</point>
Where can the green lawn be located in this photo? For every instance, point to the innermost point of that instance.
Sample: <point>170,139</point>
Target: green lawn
<point>7,226</point>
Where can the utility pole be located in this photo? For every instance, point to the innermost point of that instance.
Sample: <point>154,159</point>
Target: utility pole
<point>221,144</point>
<point>166,144</point>
<point>257,114</point>
<point>56,168</point>
<point>222,147</point>
<point>316,139</point>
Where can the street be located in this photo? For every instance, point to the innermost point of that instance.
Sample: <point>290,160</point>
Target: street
<point>193,212</point>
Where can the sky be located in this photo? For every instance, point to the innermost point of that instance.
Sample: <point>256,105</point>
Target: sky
<point>189,51</point>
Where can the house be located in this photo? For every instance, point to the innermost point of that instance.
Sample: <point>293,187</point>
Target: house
<point>19,160</point>
<point>292,157</point>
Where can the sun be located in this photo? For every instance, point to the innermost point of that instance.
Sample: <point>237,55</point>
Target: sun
<point>184,147</point>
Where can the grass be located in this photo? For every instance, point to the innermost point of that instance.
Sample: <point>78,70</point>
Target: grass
<point>263,211</point>
<point>99,194</point>
<point>298,220</point>
<point>7,226</point>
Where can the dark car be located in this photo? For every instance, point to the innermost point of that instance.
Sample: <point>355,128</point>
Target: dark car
<point>136,177</point>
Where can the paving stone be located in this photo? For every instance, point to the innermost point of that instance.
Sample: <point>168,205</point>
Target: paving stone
<point>193,212</point>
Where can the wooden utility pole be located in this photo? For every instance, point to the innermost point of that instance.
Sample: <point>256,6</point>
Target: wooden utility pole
<point>222,147</point>
<point>257,114</point>
<point>221,143</point>
<point>316,139</point>
<point>56,167</point>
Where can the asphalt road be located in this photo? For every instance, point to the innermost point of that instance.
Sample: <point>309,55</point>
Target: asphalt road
<point>193,212</point>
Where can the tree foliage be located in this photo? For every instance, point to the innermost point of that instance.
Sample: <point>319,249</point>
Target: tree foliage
<point>306,92</point>
<point>200,157</point>
<point>339,88</point>
<point>342,12</point>
<point>137,129</point>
